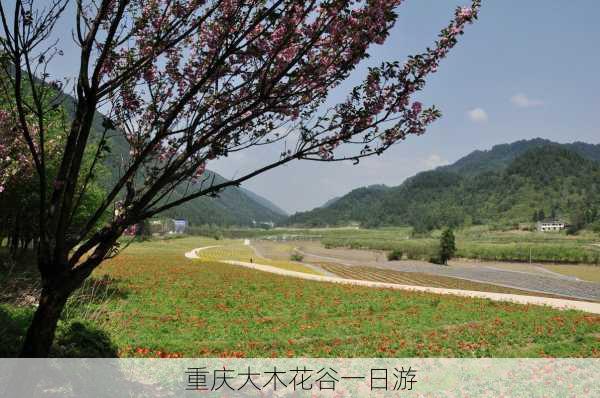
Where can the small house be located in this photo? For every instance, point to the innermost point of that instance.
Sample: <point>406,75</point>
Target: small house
<point>550,226</point>
<point>263,224</point>
<point>180,226</point>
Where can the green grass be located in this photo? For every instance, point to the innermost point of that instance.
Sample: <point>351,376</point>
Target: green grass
<point>478,243</point>
<point>75,338</point>
<point>166,305</point>
<point>311,233</point>
<point>590,273</point>
<point>237,251</point>
<point>212,309</point>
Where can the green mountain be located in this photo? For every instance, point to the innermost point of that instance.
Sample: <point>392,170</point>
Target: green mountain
<point>265,202</point>
<point>506,184</point>
<point>500,156</point>
<point>233,206</point>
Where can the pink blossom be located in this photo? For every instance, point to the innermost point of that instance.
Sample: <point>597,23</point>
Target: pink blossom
<point>417,107</point>
<point>287,64</point>
<point>465,12</point>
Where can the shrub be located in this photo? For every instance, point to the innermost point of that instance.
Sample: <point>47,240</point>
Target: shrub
<point>413,256</point>
<point>82,340</point>
<point>395,255</point>
<point>436,260</point>
<point>296,257</point>
<point>573,229</point>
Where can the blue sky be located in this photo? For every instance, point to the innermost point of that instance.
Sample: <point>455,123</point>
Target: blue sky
<point>527,68</point>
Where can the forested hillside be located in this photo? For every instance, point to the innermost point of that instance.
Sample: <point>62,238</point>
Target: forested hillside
<point>500,156</point>
<point>233,206</point>
<point>509,184</point>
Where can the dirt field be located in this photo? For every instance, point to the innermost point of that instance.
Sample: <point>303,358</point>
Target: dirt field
<point>538,278</point>
<point>283,250</point>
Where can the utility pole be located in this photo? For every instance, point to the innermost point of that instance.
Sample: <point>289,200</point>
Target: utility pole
<point>530,255</point>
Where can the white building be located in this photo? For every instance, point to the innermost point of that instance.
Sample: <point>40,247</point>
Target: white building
<point>263,224</point>
<point>180,226</point>
<point>550,225</point>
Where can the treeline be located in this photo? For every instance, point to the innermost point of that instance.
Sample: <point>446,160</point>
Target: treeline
<point>427,248</point>
<point>19,181</point>
<point>545,181</point>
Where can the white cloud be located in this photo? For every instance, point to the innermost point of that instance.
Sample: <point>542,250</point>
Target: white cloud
<point>478,115</point>
<point>433,161</point>
<point>522,101</point>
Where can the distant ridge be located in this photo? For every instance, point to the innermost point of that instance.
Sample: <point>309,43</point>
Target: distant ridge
<point>233,206</point>
<point>506,184</point>
<point>265,202</point>
<point>500,156</point>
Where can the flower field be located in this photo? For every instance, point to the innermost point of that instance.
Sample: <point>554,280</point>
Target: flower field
<point>157,303</point>
<point>201,308</point>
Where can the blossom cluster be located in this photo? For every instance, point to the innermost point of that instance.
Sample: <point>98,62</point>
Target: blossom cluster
<point>246,68</point>
<point>13,159</point>
<point>385,96</point>
<point>16,161</point>
<point>191,81</point>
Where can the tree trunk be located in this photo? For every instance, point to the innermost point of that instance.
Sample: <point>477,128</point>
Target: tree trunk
<point>43,326</point>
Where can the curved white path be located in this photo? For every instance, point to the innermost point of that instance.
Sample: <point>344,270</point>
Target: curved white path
<point>193,253</point>
<point>514,298</point>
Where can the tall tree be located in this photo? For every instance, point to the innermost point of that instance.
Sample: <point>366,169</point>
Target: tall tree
<point>541,215</point>
<point>447,246</point>
<point>189,82</point>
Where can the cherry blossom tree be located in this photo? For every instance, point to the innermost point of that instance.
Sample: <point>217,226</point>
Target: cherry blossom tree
<point>16,176</point>
<point>18,180</point>
<point>187,82</point>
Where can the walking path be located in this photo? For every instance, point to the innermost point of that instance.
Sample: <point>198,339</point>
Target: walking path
<point>192,254</point>
<point>515,298</point>
<point>315,268</point>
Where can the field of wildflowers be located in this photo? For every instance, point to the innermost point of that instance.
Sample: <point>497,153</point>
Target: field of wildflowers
<point>151,301</point>
<point>175,306</point>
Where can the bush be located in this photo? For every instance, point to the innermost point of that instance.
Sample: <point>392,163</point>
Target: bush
<point>395,255</point>
<point>436,260</point>
<point>81,340</point>
<point>412,256</point>
<point>573,229</point>
<point>297,257</point>
<point>77,339</point>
